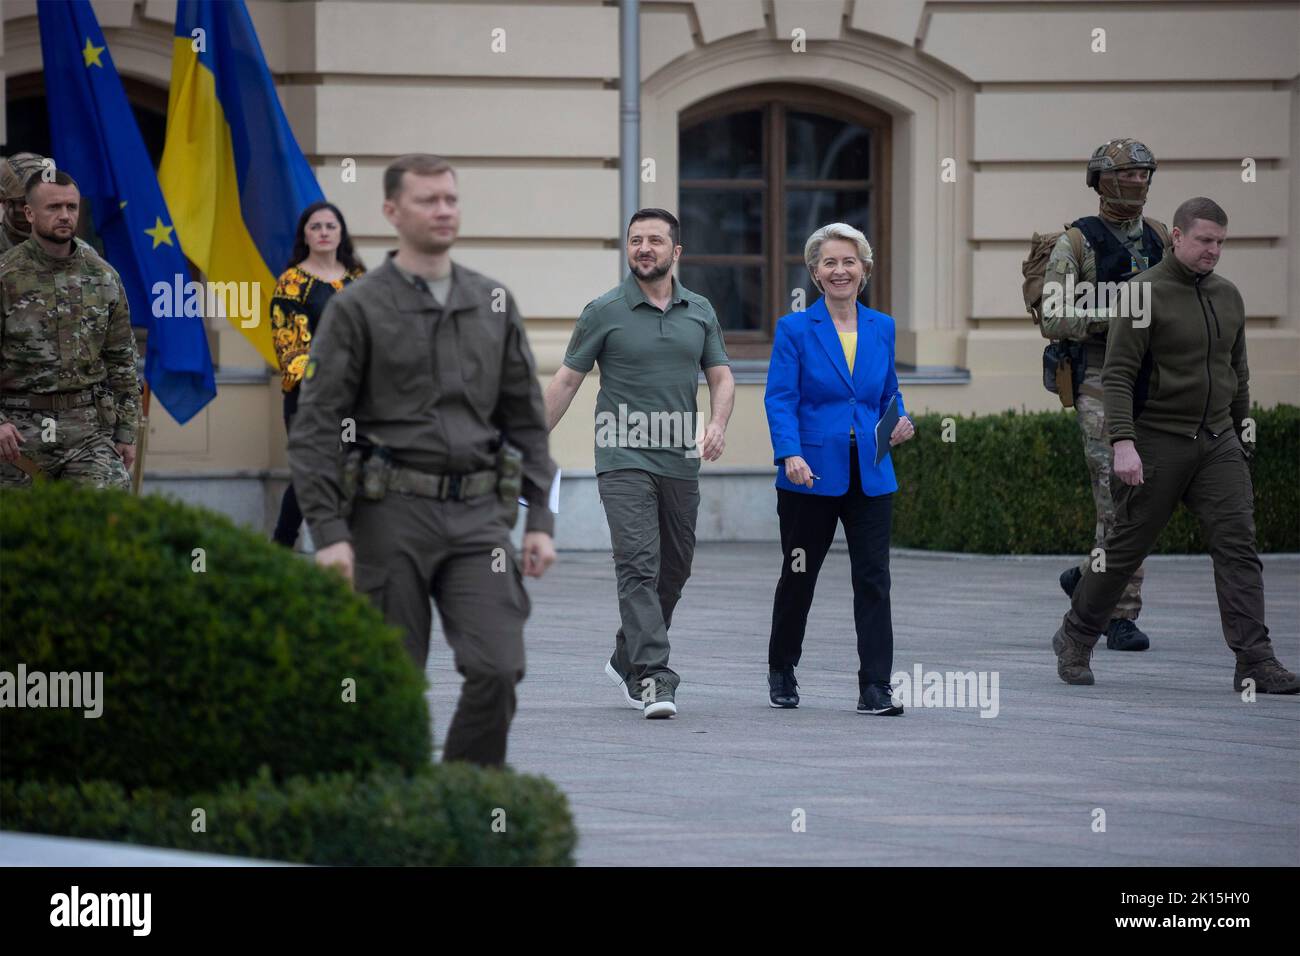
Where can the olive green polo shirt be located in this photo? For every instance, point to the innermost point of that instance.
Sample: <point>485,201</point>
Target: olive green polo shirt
<point>650,361</point>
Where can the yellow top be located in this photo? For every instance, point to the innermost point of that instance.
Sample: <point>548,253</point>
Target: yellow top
<point>849,342</point>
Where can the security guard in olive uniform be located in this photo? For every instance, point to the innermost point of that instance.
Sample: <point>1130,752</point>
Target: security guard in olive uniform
<point>1110,247</point>
<point>15,170</point>
<point>69,394</point>
<point>421,371</point>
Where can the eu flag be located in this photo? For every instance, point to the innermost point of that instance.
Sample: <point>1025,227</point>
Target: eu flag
<point>94,138</point>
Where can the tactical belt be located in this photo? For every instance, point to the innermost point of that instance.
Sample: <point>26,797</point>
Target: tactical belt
<point>51,401</point>
<point>442,487</point>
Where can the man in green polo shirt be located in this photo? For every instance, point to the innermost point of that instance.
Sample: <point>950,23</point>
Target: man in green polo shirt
<point>651,337</point>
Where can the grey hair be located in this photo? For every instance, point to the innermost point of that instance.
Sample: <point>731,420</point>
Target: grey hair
<point>837,230</point>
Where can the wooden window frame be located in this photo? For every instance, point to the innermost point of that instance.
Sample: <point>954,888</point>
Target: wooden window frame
<point>774,101</point>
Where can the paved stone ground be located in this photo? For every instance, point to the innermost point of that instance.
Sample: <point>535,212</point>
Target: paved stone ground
<point>1186,772</point>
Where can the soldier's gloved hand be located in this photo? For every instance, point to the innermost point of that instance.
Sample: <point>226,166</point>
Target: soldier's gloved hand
<point>339,556</point>
<point>1128,464</point>
<point>539,553</point>
<point>9,440</point>
<point>127,453</point>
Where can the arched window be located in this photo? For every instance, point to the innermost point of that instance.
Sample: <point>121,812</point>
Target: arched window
<point>759,170</point>
<point>28,124</point>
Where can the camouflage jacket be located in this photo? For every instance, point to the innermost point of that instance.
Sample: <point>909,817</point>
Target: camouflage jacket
<point>65,326</point>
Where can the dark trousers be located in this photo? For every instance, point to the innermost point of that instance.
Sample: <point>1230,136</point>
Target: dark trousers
<point>807,530</point>
<point>409,548</point>
<point>652,528</point>
<point>290,520</point>
<point>1211,477</point>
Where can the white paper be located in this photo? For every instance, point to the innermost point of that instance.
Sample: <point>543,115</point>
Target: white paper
<point>553,501</point>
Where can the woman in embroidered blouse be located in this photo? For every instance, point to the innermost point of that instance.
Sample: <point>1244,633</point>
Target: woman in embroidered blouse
<point>323,262</point>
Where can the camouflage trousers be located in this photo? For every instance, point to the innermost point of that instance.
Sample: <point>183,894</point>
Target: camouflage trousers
<point>1096,449</point>
<point>80,449</point>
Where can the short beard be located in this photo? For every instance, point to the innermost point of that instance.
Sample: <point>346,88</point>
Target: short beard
<point>50,237</point>
<point>659,270</point>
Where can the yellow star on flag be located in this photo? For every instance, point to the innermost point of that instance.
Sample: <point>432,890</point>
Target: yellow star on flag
<point>91,54</point>
<point>160,233</point>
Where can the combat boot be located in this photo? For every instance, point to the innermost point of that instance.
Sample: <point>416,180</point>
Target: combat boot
<point>1072,659</point>
<point>1269,675</point>
<point>1124,635</point>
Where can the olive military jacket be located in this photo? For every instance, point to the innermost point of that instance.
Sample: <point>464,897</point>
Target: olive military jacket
<point>439,386</point>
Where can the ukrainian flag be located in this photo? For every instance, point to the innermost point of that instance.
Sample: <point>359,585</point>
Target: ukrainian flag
<point>232,172</point>
<point>94,137</point>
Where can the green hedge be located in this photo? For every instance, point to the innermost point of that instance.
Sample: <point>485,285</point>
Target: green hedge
<point>443,815</point>
<point>1017,483</point>
<point>207,676</point>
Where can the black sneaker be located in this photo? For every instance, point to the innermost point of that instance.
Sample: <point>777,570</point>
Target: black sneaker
<point>1124,635</point>
<point>781,688</point>
<point>1070,580</point>
<point>878,701</point>
<point>1269,675</point>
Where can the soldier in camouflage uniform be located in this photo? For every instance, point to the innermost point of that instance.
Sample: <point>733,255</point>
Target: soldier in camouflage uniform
<point>69,395</point>
<point>1124,244</point>
<point>14,173</point>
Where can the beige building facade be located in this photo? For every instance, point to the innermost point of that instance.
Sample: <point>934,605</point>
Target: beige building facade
<point>949,131</point>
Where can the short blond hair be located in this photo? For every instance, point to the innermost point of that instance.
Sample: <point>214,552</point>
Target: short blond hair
<point>812,249</point>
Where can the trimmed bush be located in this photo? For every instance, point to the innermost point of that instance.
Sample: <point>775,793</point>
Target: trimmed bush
<point>1018,484</point>
<point>449,814</point>
<point>210,670</point>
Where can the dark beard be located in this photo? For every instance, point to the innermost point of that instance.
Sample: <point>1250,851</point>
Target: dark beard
<point>51,238</point>
<point>658,273</point>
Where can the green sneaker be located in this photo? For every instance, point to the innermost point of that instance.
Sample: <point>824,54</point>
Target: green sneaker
<point>657,694</point>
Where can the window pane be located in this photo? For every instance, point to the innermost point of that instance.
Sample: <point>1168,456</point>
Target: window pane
<point>797,277</point>
<point>818,147</point>
<point>807,210</point>
<point>736,293</point>
<point>722,222</point>
<point>728,147</point>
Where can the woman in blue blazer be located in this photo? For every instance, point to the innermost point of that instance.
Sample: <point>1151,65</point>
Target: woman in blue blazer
<point>830,382</point>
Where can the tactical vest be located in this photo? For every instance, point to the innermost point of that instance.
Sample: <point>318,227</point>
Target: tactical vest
<point>1115,262</point>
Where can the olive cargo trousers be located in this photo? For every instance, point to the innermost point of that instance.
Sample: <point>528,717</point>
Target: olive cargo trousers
<point>1210,475</point>
<point>409,548</point>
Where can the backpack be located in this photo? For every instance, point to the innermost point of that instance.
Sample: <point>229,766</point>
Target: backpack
<point>1034,268</point>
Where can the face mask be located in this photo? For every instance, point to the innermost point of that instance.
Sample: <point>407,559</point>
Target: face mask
<point>1121,202</point>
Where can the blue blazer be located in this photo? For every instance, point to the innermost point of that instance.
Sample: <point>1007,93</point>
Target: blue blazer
<point>812,401</point>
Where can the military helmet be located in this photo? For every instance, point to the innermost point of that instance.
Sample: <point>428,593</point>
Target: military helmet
<point>15,171</point>
<point>1119,154</point>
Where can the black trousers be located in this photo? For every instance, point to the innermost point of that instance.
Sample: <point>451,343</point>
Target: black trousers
<point>807,530</point>
<point>290,520</point>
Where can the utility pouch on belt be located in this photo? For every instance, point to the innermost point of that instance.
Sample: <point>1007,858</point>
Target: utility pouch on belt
<point>1063,366</point>
<point>106,407</point>
<point>350,477</point>
<point>510,477</point>
<point>375,467</point>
